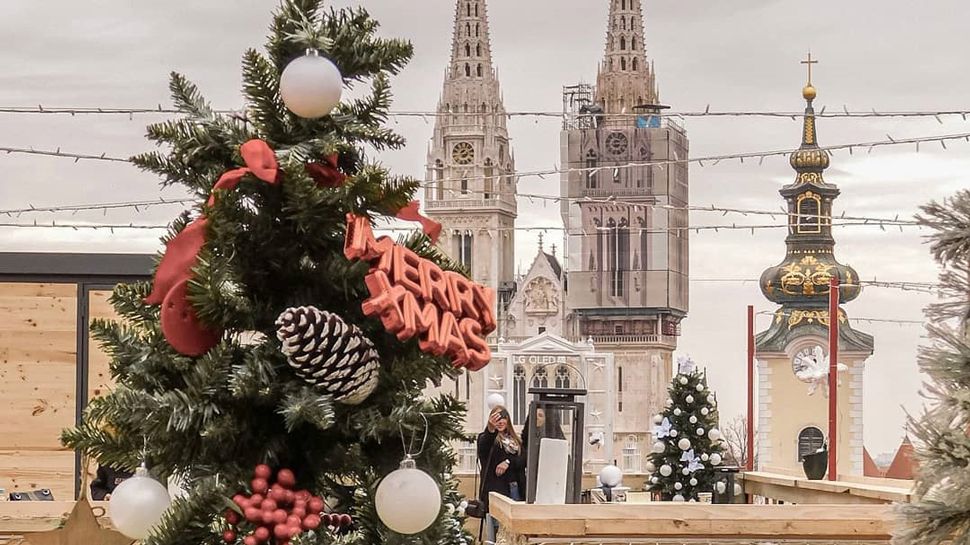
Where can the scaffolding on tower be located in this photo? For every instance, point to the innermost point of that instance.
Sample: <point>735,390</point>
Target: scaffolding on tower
<point>578,109</point>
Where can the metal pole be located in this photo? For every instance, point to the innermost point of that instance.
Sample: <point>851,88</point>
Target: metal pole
<point>833,376</point>
<point>749,463</point>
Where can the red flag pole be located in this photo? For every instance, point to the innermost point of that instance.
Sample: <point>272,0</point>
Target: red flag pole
<point>749,463</point>
<point>833,375</point>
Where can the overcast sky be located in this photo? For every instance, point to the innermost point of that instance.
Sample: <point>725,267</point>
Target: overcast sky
<point>738,55</point>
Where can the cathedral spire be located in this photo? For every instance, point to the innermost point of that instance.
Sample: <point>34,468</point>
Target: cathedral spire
<point>625,80</point>
<point>471,52</point>
<point>809,161</point>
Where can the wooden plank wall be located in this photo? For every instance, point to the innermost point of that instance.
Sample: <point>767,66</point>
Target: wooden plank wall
<point>38,382</point>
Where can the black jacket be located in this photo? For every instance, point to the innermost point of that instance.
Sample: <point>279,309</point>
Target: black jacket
<point>490,455</point>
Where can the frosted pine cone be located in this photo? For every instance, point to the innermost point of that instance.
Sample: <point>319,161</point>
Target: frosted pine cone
<point>329,353</point>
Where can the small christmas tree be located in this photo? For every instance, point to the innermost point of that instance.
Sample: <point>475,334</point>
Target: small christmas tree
<point>941,511</point>
<point>277,363</point>
<point>687,442</point>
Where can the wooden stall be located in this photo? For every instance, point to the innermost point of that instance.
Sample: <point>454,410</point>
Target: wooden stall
<point>49,366</point>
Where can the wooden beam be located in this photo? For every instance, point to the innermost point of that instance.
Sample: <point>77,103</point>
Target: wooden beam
<point>680,520</point>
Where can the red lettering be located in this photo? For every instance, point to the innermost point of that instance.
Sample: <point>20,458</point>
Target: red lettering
<point>478,352</point>
<point>462,298</point>
<point>418,318</point>
<point>484,302</point>
<point>360,243</point>
<point>384,301</point>
<point>452,339</point>
<point>434,285</point>
<point>406,272</point>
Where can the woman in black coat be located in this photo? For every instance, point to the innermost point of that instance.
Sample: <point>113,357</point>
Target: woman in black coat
<point>502,462</point>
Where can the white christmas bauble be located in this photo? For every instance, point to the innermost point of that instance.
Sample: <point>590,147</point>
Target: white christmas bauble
<point>677,411</point>
<point>666,470</point>
<point>700,431</point>
<point>683,380</point>
<point>311,86</point>
<point>670,401</point>
<point>705,410</point>
<point>494,400</point>
<point>710,398</point>
<point>137,504</point>
<point>684,443</point>
<point>685,471</point>
<point>176,487</point>
<point>654,480</point>
<point>700,387</point>
<point>650,467</point>
<point>463,505</point>
<point>715,459</point>
<point>738,490</point>
<point>693,482</point>
<point>658,418</point>
<point>692,500</point>
<point>659,447</point>
<point>673,433</point>
<point>408,500</point>
<point>611,476</point>
<point>704,457</point>
<point>693,419</point>
<point>689,399</point>
<point>678,486</point>
<point>721,487</point>
<point>714,434</point>
<point>677,497</point>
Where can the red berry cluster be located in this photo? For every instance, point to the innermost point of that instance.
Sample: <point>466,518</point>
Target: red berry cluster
<point>277,513</point>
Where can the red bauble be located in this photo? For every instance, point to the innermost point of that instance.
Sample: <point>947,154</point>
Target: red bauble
<point>261,533</point>
<point>281,531</point>
<point>263,471</point>
<point>290,497</point>
<point>277,493</point>
<point>256,499</point>
<point>268,517</point>
<point>240,500</point>
<point>295,530</point>
<point>298,511</point>
<point>326,173</point>
<point>181,325</point>
<point>286,478</point>
<point>302,495</point>
<point>253,514</point>
<point>327,519</point>
<point>311,522</point>
<point>293,520</point>
<point>259,486</point>
<point>232,517</point>
<point>229,536</point>
<point>250,540</point>
<point>315,505</point>
<point>344,520</point>
<point>268,505</point>
<point>279,516</point>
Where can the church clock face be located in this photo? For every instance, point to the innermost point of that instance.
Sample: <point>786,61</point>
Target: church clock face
<point>616,143</point>
<point>809,362</point>
<point>463,153</point>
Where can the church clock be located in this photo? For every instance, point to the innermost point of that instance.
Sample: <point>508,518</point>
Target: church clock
<point>808,362</point>
<point>463,153</point>
<point>616,143</point>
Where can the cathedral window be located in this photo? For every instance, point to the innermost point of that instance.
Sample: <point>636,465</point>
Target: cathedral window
<point>468,29</point>
<point>540,379</point>
<point>590,174</point>
<point>468,50</point>
<point>623,22</point>
<point>479,70</point>
<point>611,63</point>
<point>631,455</point>
<point>644,244</point>
<point>622,63</point>
<point>519,404</point>
<point>464,186</point>
<point>476,10</point>
<point>634,64</point>
<point>468,9</point>
<point>619,389</point>
<point>439,176</point>
<point>633,43</point>
<point>465,250</point>
<point>622,4</point>
<point>808,210</point>
<point>468,69</point>
<point>489,170</point>
<point>618,255</point>
<point>562,377</point>
<point>478,50</point>
<point>622,43</point>
<point>477,29</point>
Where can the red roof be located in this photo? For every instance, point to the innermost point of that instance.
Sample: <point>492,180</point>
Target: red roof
<point>869,467</point>
<point>904,464</point>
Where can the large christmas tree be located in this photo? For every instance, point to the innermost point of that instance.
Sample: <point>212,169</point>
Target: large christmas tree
<point>277,362</point>
<point>941,513</point>
<point>687,442</point>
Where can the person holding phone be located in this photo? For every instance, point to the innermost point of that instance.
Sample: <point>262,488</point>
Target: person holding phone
<point>502,462</point>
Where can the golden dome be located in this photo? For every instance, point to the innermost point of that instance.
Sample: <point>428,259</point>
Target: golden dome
<point>808,92</point>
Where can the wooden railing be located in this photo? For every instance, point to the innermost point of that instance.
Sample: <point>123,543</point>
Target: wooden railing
<point>774,487</point>
<point>665,522</point>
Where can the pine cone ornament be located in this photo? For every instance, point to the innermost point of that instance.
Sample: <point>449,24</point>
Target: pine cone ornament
<point>329,353</point>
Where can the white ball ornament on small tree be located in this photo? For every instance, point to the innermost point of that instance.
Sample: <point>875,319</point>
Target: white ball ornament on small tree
<point>693,419</point>
<point>654,480</point>
<point>684,443</point>
<point>685,471</point>
<point>666,470</point>
<point>677,497</point>
<point>683,380</point>
<point>659,447</point>
<point>673,433</point>
<point>693,481</point>
<point>700,387</point>
<point>650,467</point>
<point>408,500</point>
<point>311,85</point>
<point>137,504</point>
<point>714,434</point>
<point>677,411</point>
<point>704,457</point>
<point>710,398</point>
<point>700,431</point>
<point>658,418</point>
<point>715,459</point>
<point>678,486</point>
<point>705,411</point>
<point>689,399</point>
<point>611,476</point>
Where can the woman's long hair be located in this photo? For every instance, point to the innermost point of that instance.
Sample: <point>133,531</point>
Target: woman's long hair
<point>509,429</point>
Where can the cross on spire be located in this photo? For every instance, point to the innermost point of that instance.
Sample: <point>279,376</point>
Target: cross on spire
<point>809,62</point>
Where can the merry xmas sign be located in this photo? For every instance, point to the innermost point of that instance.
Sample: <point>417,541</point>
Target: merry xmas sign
<point>413,296</point>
